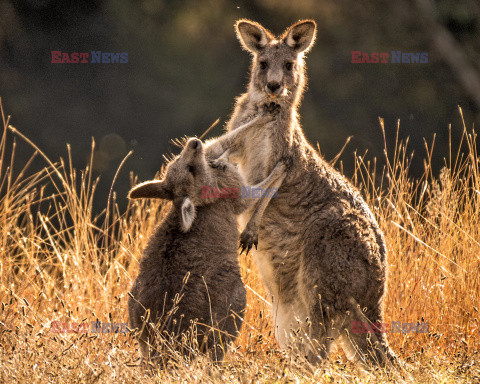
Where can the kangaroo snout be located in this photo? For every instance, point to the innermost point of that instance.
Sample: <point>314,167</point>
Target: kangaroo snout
<point>273,88</point>
<point>195,143</point>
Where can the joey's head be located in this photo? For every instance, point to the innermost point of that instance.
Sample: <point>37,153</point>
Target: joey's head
<point>277,67</point>
<point>182,182</point>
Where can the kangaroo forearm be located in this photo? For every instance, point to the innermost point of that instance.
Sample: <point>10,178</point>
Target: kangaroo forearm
<point>261,204</point>
<point>230,139</point>
<point>276,173</point>
<point>249,236</point>
<point>272,182</point>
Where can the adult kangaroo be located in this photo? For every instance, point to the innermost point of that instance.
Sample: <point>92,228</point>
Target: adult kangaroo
<point>321,253</point>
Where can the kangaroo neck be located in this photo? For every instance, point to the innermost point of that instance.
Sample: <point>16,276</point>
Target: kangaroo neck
<point>284,108</point>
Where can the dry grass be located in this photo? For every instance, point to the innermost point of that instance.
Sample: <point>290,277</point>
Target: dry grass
<point>60,263</point>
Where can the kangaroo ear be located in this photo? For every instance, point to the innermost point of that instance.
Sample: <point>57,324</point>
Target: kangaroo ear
<point>154,189</point>
<point>188,214</point>
<point>301,36</point>
<point>252,35</point>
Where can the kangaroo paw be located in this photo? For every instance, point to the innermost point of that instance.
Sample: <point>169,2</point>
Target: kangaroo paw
<point>248,239</point>
<point>272,108</point>
<point>218,163</point>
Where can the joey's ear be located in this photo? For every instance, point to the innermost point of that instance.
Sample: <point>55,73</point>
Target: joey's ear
<point>154,189</point>
<point>252,35</point>
<point>301,36</point>
<point>187,215</point>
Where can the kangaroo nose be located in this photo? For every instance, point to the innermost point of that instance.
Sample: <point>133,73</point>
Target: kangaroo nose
<point>195,143</point>
<point>273,86</point>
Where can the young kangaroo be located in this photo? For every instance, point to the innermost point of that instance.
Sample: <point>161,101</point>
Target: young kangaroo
<point>321,253</point>
<point>189,271</point>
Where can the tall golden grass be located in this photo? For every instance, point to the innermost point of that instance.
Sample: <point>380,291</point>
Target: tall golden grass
<point>60,262</point>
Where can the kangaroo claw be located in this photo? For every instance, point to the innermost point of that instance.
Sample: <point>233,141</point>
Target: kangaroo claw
<point>248,239</point>
<point>218,164</point>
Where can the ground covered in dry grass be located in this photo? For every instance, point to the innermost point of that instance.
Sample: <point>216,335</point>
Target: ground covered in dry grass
<point>61,264</point>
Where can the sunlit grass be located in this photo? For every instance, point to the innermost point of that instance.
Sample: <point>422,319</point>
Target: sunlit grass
<point>60,262</point>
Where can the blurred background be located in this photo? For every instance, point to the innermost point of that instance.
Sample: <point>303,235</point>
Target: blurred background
<point>185,68</point>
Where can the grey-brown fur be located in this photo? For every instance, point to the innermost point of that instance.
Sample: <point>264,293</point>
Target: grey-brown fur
<point>320,249</point>
<point>198,239</point>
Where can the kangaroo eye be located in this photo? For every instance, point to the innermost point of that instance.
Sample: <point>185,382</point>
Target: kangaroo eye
<point>263,65</point>
<point>191,169</point>
<point>288,66</point>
